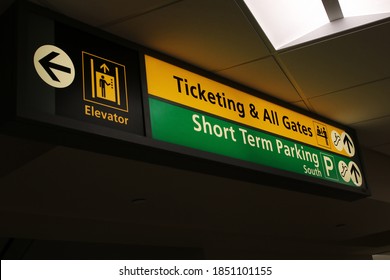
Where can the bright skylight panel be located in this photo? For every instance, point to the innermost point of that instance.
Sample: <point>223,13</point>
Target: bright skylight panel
<point>284,21</point>
<point>352,8</point>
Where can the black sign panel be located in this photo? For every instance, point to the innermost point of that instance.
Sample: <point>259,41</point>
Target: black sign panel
<point>79,79</point>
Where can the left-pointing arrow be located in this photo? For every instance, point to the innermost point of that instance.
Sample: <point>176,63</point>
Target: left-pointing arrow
<point>54,66</point>
<point>48,65</point>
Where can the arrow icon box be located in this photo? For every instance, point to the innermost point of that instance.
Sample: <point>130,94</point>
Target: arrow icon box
<point>54,66</point>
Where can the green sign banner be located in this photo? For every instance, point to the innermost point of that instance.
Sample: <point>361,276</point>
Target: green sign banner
<point>181,126</point>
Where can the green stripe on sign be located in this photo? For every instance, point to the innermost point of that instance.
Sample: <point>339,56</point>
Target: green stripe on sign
<point>178,125</point>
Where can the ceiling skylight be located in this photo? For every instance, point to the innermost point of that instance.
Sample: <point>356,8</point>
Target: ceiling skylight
<point>352,8</point>
<point>290,22</point>
<point>284,21</point>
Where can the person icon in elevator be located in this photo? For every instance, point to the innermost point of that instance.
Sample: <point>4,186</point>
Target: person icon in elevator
<point>103,83</point>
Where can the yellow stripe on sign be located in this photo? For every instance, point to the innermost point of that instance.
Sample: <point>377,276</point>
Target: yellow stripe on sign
<point>181,86</point>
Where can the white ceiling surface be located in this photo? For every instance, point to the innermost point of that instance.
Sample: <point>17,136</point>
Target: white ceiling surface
<point>345,78</point>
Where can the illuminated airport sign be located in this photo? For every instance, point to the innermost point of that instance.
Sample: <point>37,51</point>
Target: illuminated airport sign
<point>78,82</point>
<point>194,111</point>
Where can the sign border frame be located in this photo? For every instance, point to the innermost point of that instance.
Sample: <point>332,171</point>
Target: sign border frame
<point>363,191</point>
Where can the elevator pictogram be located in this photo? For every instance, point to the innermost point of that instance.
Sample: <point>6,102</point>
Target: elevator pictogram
<point>104,82</point>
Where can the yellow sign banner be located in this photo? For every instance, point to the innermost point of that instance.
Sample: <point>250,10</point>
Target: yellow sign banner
<point>184,87</point>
